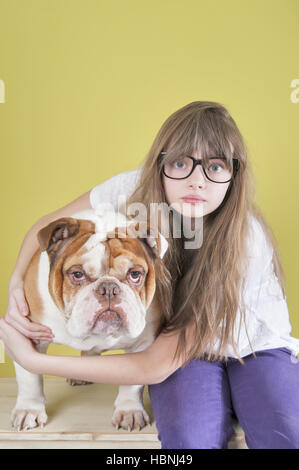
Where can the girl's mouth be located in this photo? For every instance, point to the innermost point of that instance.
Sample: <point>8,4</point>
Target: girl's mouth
<point>191,200</point>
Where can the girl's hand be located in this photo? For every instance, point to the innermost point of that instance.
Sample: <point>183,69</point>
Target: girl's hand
<point>16,313</point>
<point>19,348</point>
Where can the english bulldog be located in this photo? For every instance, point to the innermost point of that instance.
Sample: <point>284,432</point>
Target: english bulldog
<point>92,281</point>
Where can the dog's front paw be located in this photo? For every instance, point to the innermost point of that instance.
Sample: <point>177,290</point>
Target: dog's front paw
<point>74,382</point>
<point>129,419</point>
<point>28,417</point>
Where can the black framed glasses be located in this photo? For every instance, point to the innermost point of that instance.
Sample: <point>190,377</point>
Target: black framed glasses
<point>217,171</point>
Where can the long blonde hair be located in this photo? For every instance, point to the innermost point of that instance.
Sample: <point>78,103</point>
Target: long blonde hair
<point>206,288</point>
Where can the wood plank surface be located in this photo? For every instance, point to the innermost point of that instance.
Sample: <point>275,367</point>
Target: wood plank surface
<point>78,417</point>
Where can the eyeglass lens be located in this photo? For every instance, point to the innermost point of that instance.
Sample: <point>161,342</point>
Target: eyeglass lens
<point>217,169</point>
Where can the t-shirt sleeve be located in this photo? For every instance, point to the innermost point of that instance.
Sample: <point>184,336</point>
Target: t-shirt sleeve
<point>259,253</point>
<point>110,190</point>
<point>263,292</point>
<point>271,305</point>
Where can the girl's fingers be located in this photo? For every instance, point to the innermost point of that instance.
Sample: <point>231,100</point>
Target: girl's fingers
<point>21,301</point>
<point>35,335</point>
<point>29,329</point>
<point>20,322</point>
<point>16,317</point>
<point>13,316</point>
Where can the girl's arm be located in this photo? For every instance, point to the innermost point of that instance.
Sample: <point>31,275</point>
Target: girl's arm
<point>150,366</point>
<point>17,309</point>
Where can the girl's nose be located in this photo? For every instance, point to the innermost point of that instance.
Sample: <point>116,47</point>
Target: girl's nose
<point>197,177</point>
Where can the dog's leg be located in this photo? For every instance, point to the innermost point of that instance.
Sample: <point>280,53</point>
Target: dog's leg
<point>29,410</point>
<point>77,381</point>
<point>129,411</point>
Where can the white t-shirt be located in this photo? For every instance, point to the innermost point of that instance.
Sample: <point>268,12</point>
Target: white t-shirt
<point>267,316</point>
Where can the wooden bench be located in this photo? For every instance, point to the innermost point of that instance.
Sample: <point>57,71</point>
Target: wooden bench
<point>79,417</point>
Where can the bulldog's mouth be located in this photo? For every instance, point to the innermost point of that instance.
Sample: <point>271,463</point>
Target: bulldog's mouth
<point>108,320</point>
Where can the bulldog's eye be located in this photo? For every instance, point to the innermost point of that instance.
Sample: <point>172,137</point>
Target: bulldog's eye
<point>135,276</point>
<point>78,276</point>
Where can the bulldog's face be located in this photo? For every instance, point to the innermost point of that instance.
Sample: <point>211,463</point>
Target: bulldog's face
<point>102,285</point>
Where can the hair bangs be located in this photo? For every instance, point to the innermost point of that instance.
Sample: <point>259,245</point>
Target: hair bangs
<point>214,137</point>
<point>203,133</point>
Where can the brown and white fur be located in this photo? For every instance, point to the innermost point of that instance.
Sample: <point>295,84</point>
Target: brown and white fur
<point>85,286</point>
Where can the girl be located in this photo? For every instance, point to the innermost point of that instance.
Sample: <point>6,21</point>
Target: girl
<point>224,348</point>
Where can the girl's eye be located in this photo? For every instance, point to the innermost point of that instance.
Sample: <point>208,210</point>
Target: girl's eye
<point>212,168</point>
<point>135,276</point>
<point>218,166</point>
<point>179,164</point>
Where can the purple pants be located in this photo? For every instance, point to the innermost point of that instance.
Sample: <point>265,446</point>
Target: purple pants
<point>194,406</point>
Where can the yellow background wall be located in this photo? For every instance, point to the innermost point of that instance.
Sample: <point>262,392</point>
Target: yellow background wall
<point>88,84</point>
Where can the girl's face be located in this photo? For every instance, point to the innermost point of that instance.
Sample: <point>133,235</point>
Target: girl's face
<point>177,192</point>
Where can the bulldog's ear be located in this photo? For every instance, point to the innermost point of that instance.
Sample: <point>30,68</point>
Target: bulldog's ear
<point>156,241</point>
<point>52,235</point>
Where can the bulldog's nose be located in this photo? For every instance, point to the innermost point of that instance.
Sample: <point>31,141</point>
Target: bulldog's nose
<point>108,289</point>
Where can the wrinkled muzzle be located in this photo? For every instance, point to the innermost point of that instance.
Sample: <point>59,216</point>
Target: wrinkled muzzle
<point>106,307</point>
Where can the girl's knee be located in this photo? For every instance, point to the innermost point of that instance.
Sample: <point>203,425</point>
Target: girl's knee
<point>287,434</point>
<point>199,438</point>
<point>281,434</point>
